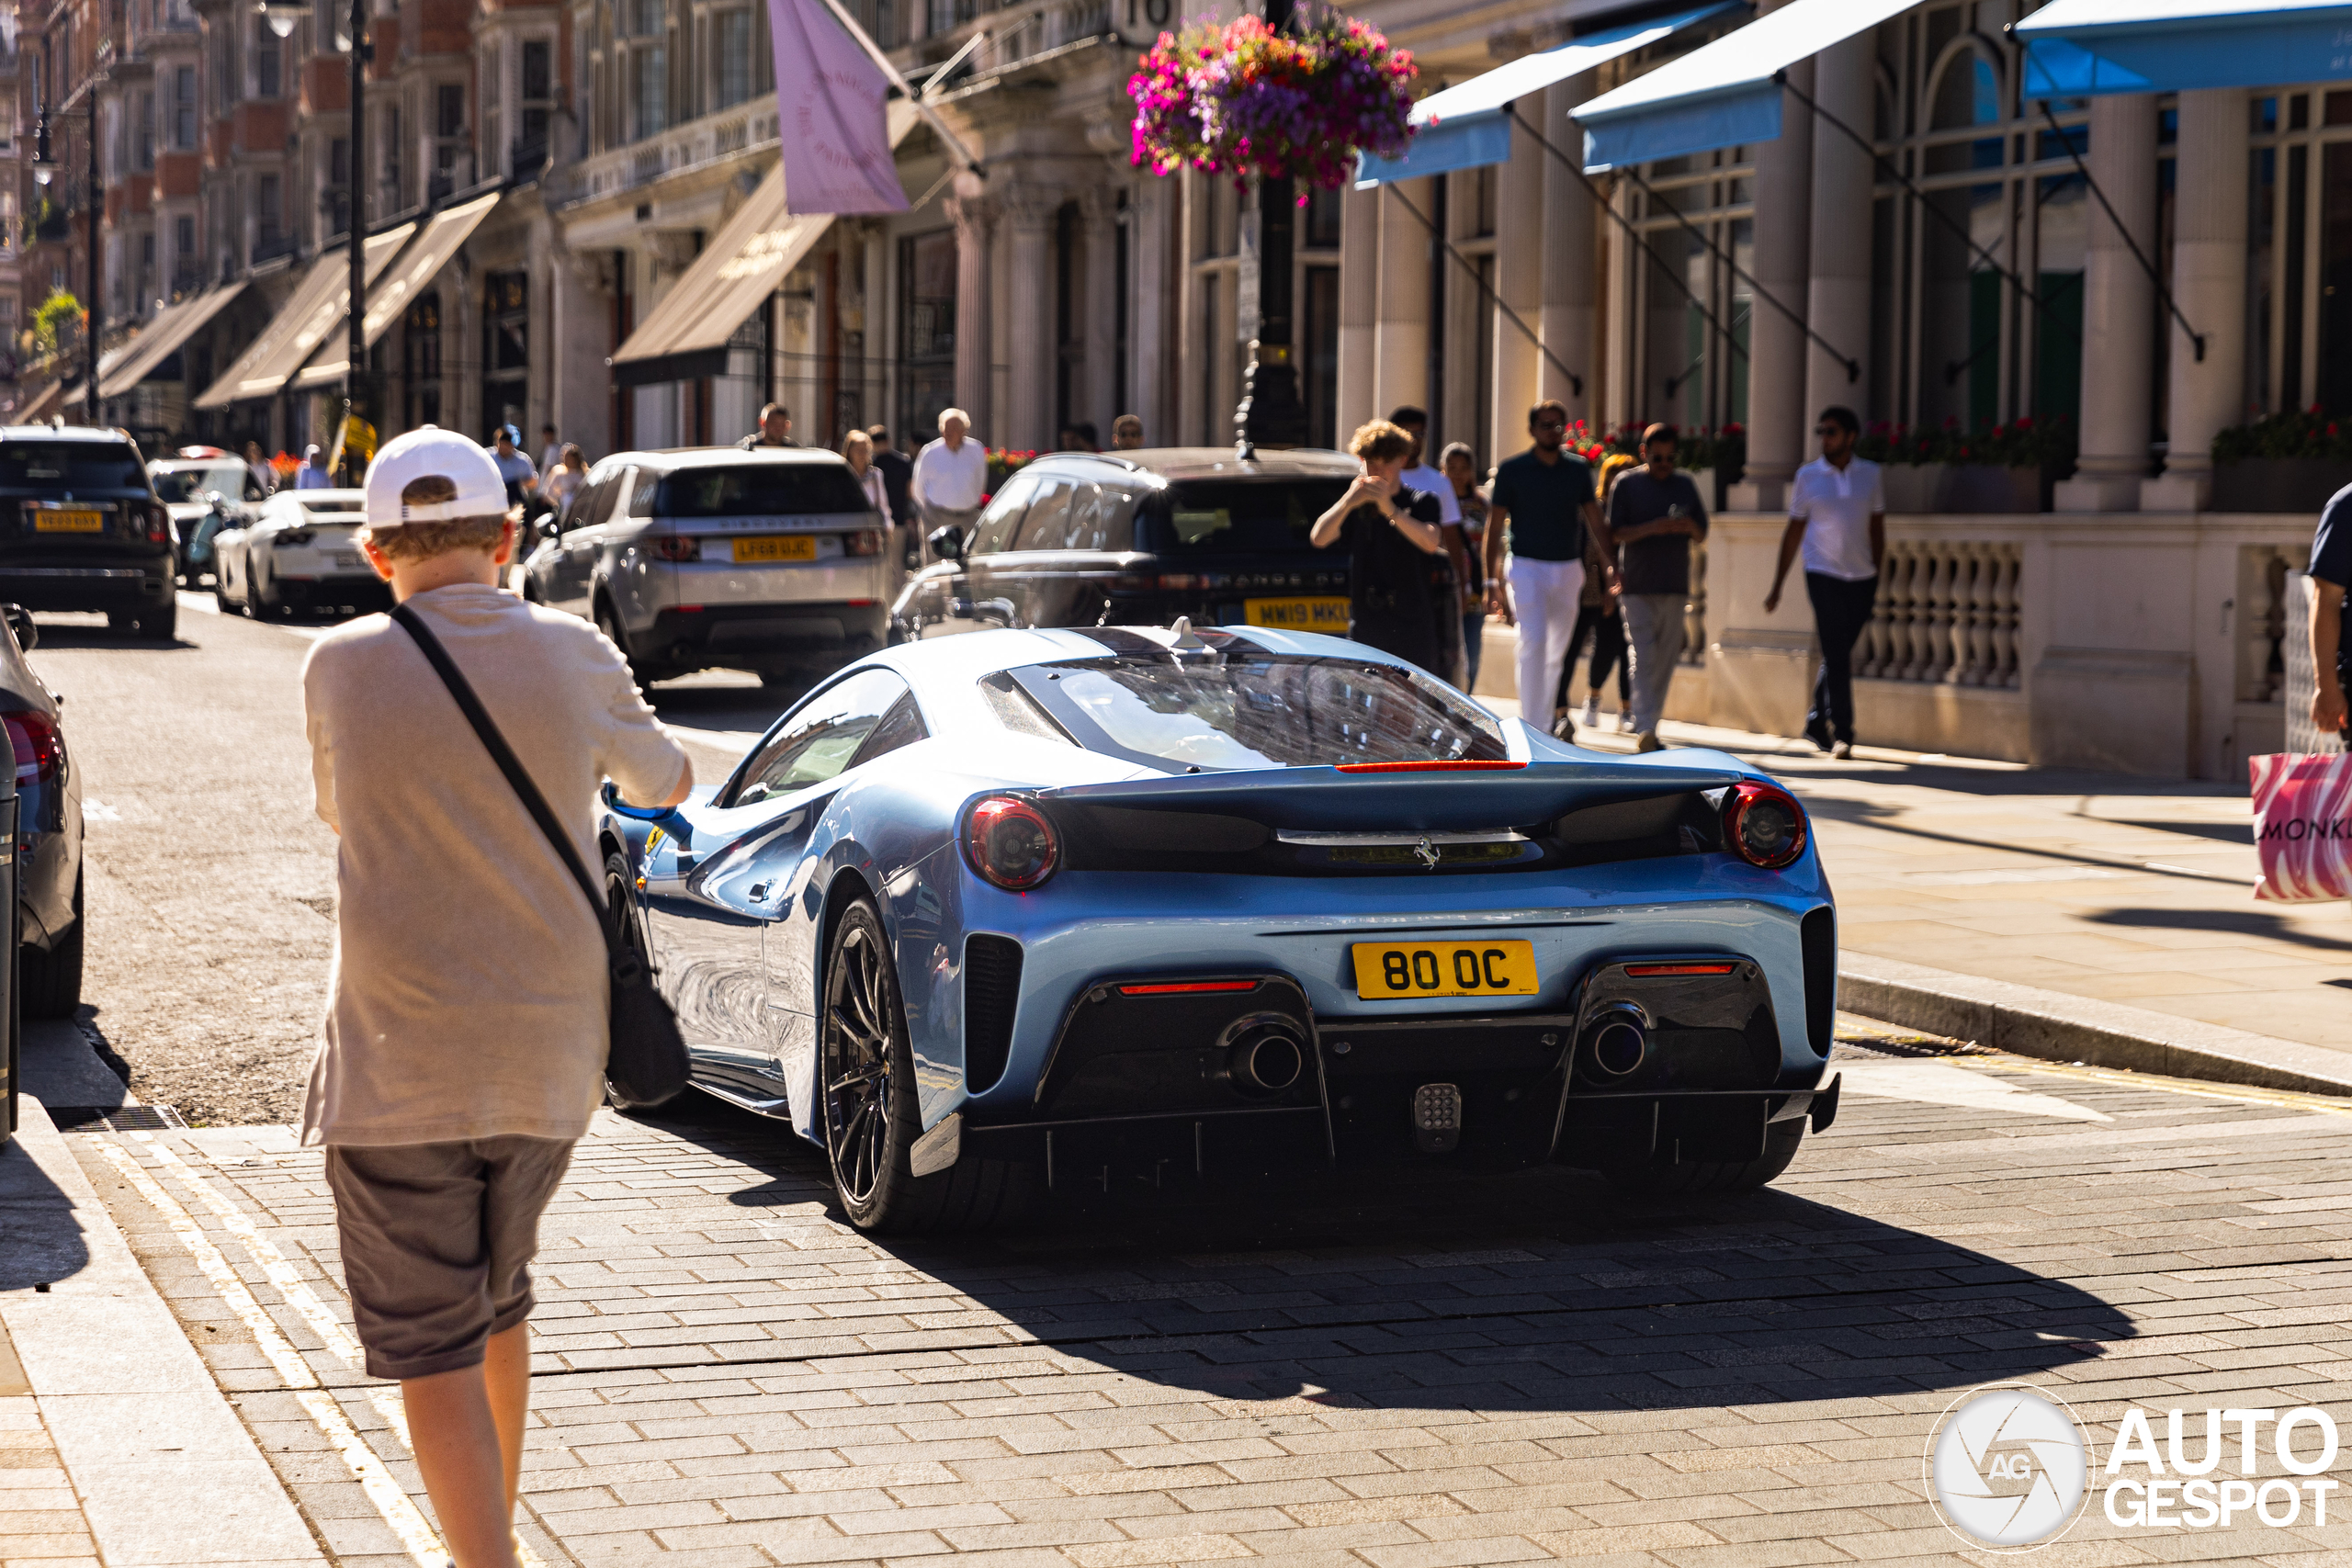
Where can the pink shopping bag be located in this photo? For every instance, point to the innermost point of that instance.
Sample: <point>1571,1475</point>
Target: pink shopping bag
<point>2302,826</point>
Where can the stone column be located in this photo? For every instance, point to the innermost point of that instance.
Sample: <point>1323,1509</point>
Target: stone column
<point>1519,283</point>
<point>2118,310</point>
<point>873,371</point>
<point>1152,283</point>
<point>2208,285</point>
<point>583,284</point>
<point>1027,419</point>
<point>1099,395</point>
<point>1838,296</point>
<point>1568,259</point>
<point>1359,307</point>
<point>1778,421</point>
<point>974,213</point>
<point>1400,347</point>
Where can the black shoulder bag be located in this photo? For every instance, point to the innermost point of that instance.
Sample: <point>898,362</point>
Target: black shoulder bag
<point>646,1061</point>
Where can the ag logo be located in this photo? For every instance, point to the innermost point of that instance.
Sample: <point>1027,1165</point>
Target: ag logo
<point>2006,1467</point>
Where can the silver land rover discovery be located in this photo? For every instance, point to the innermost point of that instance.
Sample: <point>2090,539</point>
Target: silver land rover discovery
<point>768,560</point>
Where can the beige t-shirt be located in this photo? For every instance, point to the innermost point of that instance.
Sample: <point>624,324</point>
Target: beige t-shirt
<point>469,993</point>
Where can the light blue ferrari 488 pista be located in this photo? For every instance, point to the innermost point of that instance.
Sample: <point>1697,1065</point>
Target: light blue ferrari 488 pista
<point>1119,905</point>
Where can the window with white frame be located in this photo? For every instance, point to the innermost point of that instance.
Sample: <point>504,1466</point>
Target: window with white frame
<point>184,109</point>
<point>535,100</point>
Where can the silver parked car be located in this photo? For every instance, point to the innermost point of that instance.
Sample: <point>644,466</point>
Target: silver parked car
<point>767,560</point>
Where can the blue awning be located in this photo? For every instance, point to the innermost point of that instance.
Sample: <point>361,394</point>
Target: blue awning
<point>1465,126</point>
<point>2081,48</point>
<point>1722,95</point>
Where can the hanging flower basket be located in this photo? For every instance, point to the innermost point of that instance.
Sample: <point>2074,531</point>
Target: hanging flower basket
<point>1242,99</point>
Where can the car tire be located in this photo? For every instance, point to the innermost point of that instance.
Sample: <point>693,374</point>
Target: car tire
<point>220,597</point>
<point>620,909</point>
<point>1782,1140</point>
<point>866,1106</point>
<point>609,622</point>
<point>49,984</point>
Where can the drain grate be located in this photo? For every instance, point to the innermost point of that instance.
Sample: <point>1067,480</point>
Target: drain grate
<point>115,1118</point>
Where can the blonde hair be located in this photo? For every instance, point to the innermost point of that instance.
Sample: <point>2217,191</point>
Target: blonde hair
<point>422,541</point>
<point>855,439</point>
<point>1377,441</point>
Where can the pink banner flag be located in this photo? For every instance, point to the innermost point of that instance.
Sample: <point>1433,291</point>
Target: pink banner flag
<point>828,96</point>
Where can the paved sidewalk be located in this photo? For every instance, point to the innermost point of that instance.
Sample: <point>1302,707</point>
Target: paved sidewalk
<point>2097,885</point>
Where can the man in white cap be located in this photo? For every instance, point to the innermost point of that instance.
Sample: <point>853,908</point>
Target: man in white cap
<point>466,1029</point>
<point>314,473</point>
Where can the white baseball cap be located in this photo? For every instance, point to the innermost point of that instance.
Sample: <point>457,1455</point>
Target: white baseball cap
<point>426,452</point>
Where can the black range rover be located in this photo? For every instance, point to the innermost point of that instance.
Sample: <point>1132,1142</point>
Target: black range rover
<point>1138,539</point>
<point>81,529</point>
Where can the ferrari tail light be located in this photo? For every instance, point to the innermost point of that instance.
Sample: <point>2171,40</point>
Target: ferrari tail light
<point>41,750</point>
<point>1010,843</point>
<point>1763,824</point>
<point>1459,765</point>
<point>677,548</point>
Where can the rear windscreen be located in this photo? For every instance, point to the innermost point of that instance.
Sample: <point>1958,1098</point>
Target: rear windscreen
<point>758,490</point>
<point>1280,711</point>
<point>1218,516</point>
<point>70,465</point>
<point>173,487</point>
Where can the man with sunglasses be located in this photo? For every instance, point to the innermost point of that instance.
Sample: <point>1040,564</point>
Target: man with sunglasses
<point>1541,505</point>
<point>1838,515</point>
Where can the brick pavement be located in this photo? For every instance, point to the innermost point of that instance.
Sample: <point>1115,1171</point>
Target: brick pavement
<point>40,1518</point>
<point>1402,1374</point>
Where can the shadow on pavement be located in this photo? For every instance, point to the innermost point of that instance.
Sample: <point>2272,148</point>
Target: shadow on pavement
<point>1545,1291</point>
<point>40,1240</point>
<point>2232,922</point>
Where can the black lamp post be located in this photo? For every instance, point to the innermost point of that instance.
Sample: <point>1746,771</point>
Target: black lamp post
<point>1271,413</point>
<point>45,168</point>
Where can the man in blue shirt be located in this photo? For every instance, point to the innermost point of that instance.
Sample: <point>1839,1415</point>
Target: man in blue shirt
<point>1539,507</point>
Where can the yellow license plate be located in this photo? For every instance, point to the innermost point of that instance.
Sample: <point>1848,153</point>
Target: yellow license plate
<point>777,547</point>
<point>1317,615</point>
<point>68,522</point>
<point>1391,971</point>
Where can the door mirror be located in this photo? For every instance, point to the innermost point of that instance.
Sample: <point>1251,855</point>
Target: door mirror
<point>642,812</point>
<point>20,622</point>
<point>947,543</point>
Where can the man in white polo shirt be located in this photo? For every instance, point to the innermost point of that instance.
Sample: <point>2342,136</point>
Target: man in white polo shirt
<point>951,477</point>
<point>1838,515</point>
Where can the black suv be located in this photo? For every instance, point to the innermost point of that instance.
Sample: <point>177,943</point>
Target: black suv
<point>1138,539</point>
<point>81,529</point>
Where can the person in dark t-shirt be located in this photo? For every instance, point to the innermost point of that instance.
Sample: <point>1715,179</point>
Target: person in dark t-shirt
<point>1654,514</point>
<point>1391,532</point>
<point>1538,510</point>
<point>2331,629</point>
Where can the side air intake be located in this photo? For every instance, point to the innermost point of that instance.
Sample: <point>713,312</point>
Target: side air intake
<point>991,991</point>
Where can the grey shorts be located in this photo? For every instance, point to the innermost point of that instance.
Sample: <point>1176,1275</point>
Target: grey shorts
<point>437,1241</point>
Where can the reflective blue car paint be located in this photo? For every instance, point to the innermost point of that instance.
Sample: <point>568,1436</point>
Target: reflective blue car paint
<point>891,826</point>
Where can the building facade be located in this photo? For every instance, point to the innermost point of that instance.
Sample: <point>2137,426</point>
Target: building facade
<point>1978,263</point>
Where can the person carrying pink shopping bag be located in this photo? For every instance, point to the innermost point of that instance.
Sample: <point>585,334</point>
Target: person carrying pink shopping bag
<point>2302,797</point>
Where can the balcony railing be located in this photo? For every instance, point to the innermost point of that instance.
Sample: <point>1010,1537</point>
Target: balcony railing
<point>731,131</point>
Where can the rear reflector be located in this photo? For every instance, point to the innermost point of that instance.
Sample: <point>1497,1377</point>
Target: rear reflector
<point>1644,971</point>
<point>1182,988</point>
<point>1465,766</point>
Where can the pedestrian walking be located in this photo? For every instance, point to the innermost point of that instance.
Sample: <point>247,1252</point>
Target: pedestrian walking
<point>775,429</point>
<point>1391,532</point>
<point>951,477</point>
<point>898,481</point>
<point>313,474</point>
<point>858,448</point>
<point>258,466</point>
<point>515,469</point>
<point>1654,515</point>
<point>1126,433</point>
<point>1460,467</point>
<point>466,1027</point>
<point>1598,614</point>
<point>564,481</point>
<point>550,450</point>
<point>1540,511</point>
<point>1837,516</point>
<point>2331,649</point>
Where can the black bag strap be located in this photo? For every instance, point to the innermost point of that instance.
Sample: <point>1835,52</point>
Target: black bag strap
<point>502,754</point>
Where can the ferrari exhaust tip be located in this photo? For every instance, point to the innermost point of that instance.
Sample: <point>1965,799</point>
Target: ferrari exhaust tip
<point>1266,1061</point>
<point>1620,1044</point>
